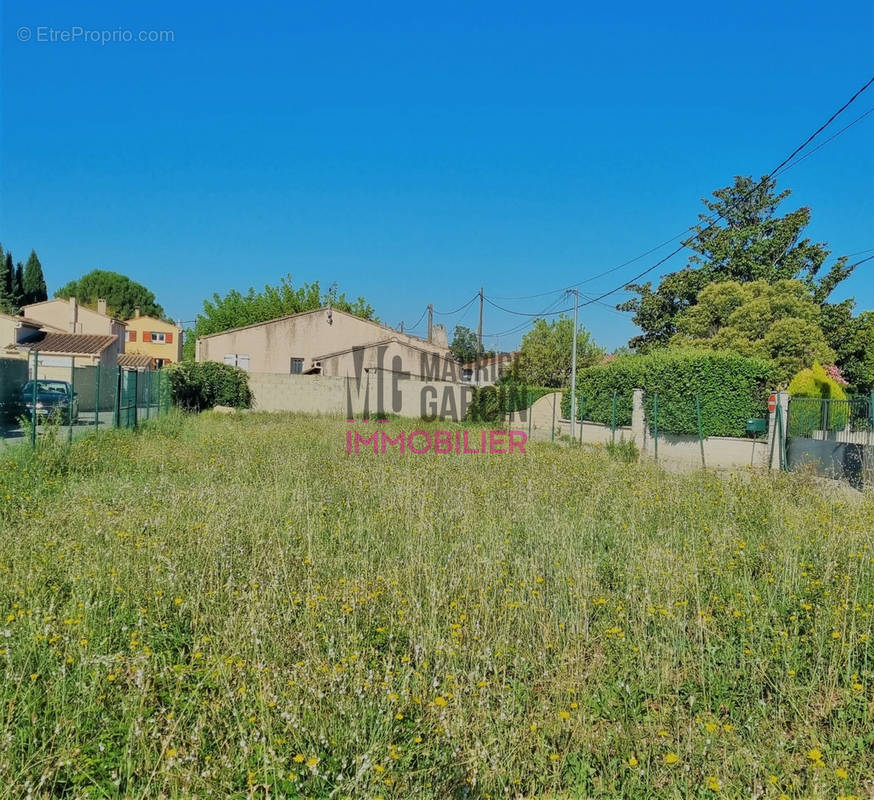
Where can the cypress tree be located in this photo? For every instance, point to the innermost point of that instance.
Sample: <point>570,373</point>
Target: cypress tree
<point>33,283</point>
<point>7,279</point>
<point>18,286</point>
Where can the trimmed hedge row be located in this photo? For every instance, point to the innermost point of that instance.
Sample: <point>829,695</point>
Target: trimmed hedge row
<point>732,389</point>
<point>491,403</point>
<point>200,385</point>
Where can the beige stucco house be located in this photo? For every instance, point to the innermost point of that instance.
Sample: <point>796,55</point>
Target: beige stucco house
<point>327,342</point>
<point>67,315</point>
<point>15,331</point>
<point>156,338</point>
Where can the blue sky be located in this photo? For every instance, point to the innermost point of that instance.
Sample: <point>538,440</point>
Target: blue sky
<point>412,152</point>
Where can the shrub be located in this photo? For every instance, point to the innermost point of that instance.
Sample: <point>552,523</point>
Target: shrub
<point>818,402</point>
<point>816,382</point>
<point>491,403</point>
<point>732,389</point>
<point>197,386</point>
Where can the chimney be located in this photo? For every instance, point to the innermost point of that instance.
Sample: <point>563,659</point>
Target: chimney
<point>101,306</point>
<point>74,315</point>
<point>136,312</point>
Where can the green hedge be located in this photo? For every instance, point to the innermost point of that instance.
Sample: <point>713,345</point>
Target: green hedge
<point>732,388</point>
<point>491,403</point>
<point>197,386</point>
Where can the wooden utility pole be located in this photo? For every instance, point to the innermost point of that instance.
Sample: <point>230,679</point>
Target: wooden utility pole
<point>576,294</point>
<point>480,329</point>
<point>430,320</point>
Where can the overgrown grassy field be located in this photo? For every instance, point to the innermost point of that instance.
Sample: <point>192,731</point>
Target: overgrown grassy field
<point>231,606</point>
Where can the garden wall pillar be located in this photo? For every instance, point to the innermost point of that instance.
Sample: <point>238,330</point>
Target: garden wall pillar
<point>638,419</point>
<point>777,430</point>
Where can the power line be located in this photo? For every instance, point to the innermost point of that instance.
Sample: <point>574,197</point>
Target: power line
<point>460,308</point>
<point>785,163</point>
<point>830,138</point>
<point>721,215</point>
<point>418,321</point>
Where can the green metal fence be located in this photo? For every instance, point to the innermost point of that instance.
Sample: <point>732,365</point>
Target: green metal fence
<point>835,438</point>
<point>70,396</point>
<point>810,416</point>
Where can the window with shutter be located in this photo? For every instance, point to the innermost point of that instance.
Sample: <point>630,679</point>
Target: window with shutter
<point>169,338</point>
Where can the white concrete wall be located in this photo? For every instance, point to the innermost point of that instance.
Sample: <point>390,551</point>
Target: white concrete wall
<point>329,394</point>
<point>540,421</point>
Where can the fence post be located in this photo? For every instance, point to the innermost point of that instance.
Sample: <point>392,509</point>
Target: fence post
<point>782,437</point>
<point>97,399</point>
<point>655,419</point>
<point>148,391</point>
<point>530,409</point>
<point>72,397</point>
<point>34,394</point>
<point>700,429</point>
<point>553,416</point>
<point>613,420</point>
<point>117,404</point>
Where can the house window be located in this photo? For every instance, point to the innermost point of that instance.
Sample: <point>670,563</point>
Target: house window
<point>157,338</point>
<point>238,360</point>
<point>296,366</point>
<point>130,336</point>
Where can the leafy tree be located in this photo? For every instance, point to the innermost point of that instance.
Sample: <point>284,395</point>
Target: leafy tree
<point>546,353</point>
<point>33,283</point>
<point>780,321</point>
<point>852,339</point>
<point>465,346</point>
<point>236,309</point>
<point>750,243</point>
<point>122,294</point>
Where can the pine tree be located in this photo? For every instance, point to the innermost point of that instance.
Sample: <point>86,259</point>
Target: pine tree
<point>33,283</point>
<point>7,279</point>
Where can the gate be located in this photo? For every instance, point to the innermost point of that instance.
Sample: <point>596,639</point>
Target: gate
<point>127,398</point>
<point>834,437</point>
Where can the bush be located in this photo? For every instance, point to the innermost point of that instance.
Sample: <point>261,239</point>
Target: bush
<point>732,388</point>
<point>491,403</point>
<point>818,402</point>
<point>816,382</point>
<point>197,386</point>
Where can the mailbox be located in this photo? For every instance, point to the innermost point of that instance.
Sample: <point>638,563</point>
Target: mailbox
<point>756,426</point>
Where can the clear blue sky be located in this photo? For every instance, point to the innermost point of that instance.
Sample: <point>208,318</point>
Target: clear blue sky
<point>413,153</point>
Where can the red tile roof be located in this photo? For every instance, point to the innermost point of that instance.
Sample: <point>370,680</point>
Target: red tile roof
<point>134,360</point>
<point>78,344</point>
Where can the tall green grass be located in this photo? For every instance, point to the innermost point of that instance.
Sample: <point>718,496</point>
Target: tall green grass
<point>231,606</point>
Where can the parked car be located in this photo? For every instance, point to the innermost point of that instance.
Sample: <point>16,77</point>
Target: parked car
<point>54,399</point>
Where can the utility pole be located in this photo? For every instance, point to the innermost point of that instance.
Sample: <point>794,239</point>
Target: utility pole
<point>430,319</point>
<point>576,293</point>
<point>402,326</point>
<point>480,329</point>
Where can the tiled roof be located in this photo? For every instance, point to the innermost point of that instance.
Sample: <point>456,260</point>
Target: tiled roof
<point>134,360</point>
<point>71,343</point>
